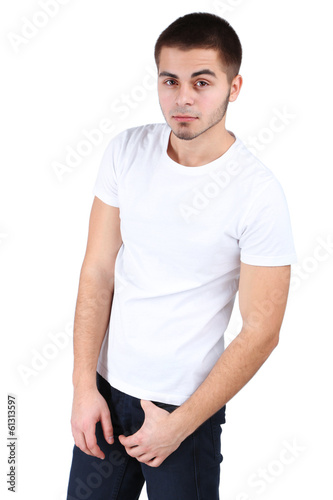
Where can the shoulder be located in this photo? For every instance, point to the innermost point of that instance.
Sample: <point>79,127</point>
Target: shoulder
<point>137,135</point>
<point>254,176</point>
<point>144,143</point>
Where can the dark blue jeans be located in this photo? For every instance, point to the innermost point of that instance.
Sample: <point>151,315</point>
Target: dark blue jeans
<point>192,472</point>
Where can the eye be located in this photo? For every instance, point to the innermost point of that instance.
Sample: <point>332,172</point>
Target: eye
<point>201,83</point>
<point>170,82</point>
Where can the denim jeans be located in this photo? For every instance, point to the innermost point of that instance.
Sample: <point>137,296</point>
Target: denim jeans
<point>192,472</point>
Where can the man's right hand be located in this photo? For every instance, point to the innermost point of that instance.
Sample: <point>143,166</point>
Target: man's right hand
<point>89,407</point>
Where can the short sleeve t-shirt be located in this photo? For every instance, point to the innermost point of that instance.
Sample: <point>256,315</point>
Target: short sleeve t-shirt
<point>185,231</point>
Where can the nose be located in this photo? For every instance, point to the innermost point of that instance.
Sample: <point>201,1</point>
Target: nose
<point>184,96</point>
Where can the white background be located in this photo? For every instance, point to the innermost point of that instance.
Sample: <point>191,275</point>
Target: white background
<point>66,79</point>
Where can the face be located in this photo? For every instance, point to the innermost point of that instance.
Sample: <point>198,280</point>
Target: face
<point>193,91</point>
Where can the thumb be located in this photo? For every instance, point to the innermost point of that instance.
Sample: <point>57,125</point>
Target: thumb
<point>145,405</point>
<point>107,426</point>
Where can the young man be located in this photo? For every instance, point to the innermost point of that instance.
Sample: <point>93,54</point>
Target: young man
<point>184,216</point>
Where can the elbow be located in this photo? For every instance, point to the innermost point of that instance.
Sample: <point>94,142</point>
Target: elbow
<point>268,341</point>
<point>97,273</point>
<point>273,340</point>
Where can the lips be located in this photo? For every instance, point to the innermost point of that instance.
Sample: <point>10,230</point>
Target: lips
<point>185,118</point>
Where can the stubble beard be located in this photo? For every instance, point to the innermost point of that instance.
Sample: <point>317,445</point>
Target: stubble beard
<point>185,134</point>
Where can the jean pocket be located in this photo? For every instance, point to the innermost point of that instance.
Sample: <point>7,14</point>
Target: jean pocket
<point>165,406</point>
<point>216,430</point>
<point>219,416</point>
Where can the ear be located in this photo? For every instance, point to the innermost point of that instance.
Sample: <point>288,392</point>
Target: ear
<point>235,88</point>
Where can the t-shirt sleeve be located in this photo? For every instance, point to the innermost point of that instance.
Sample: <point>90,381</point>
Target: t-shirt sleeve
<point>106,187</point>
<point>267,238</point>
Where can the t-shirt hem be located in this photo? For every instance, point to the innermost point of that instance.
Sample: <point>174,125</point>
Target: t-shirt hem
<point>259,260</point>
<point>140,393</point>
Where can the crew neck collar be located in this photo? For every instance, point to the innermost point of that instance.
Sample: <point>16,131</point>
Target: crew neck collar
<point>202,168</point>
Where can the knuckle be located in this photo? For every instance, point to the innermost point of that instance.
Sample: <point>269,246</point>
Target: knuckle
<point>85,425</point>
<point>91,442</point>
<point>105,411</point>
<point>74,424</point>
<point>85,450</point>
<point>75,436</point>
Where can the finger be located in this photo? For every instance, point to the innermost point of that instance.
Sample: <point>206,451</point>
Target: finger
<point>80,442</point>
<point>146,459</point>
<point>155,462</point>
<point>91,441</point>
<point>128,441</point>
<point>107,427</point>
<point>134,452</point>
<point>145,404</point>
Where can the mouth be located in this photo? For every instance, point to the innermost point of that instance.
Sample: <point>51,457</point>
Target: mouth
<point>185,118</point>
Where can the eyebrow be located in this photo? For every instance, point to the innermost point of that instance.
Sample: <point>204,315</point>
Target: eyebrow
<point>197,73</point>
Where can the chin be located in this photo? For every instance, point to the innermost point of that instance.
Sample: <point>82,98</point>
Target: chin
<point>185,136</point>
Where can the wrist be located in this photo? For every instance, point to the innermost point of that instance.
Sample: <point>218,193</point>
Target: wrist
<point>85,380</point>
<point>182,424</point>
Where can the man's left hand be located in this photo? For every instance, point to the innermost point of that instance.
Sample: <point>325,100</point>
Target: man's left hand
<point>156,439</point>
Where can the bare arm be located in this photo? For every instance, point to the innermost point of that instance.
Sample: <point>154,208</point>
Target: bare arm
<point>263,295</point>
<point>91,319</point>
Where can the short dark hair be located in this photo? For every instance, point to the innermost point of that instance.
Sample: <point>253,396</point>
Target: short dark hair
<point>203,30</point>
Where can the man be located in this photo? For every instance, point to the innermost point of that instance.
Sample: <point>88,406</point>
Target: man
<point>184,216</point>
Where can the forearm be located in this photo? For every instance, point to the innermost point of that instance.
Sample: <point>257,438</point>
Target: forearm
<point>236,366</point>
<point>92,315</point>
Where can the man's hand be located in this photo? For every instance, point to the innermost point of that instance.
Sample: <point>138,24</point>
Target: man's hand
<point>157,438</point>
<point>89,407</point>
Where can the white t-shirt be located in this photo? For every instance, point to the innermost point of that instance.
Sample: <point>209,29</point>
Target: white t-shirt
<point>184,231</point>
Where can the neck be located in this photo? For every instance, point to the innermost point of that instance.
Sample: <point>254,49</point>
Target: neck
<point>204,149</point>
